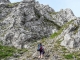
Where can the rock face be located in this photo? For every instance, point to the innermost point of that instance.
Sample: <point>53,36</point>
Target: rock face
<point>4,1</point>
<point>30,21</point>
<point>71,34</point>
<point>63,16</point>
<point>25,23</point>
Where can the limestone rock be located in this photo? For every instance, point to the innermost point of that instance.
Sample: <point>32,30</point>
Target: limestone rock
<point>30,21</point>
<point>4,1</point>
<point>63,16</point>
<point>71,35</point>
<point>24,24</point>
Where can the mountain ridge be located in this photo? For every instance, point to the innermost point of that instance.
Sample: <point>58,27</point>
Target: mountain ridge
<point>26,23</point>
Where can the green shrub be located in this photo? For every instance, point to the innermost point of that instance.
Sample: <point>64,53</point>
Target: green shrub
<point>6,51</point>
<point>69,56</point>
<point>54,35</point>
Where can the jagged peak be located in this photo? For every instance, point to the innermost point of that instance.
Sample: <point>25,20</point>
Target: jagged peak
<point>68,10</point>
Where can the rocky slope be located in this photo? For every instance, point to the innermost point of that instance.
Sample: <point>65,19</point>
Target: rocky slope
<point>4,1</point>
<point>24,24</point>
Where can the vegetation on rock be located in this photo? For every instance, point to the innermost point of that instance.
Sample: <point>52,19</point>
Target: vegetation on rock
<point>6,51</point>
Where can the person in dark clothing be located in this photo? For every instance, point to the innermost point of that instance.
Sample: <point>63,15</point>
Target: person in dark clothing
<point>41,50</point>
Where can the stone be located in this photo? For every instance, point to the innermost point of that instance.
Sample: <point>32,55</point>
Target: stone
<point>26,23</point>
<point>71,35</point>
<point>4,1</point>
<point>63,16</point>
<point>30,21</point>
<point>66,40</point>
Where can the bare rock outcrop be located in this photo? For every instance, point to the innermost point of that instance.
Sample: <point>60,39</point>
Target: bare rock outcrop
<point>4,1</point>
<point>24,24</point>
<point>30,21</point>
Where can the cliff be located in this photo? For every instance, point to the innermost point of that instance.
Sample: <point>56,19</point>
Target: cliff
<point>24,24</point>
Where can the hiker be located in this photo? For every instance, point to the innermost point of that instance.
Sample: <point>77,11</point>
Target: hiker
<point>41,50</point>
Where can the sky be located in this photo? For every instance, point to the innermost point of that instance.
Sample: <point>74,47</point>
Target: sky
<point>57,5</point>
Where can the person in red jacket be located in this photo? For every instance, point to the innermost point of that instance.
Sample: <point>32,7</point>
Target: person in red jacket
<point>41,50</point>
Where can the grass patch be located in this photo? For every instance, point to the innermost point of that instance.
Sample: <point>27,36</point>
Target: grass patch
<point>52,23</point>
<point>77,55</point>
<point>54,35</point>
<point>58,42</point>
<point>61,29</point>
<point>54,13</point>
<point>78,58</point>
<point>11,5</point>
<point>72,55</point>
<point>43,40</point>
<point>64,49</point>
<point>6,51</point>
<point>21,51</point>
<point>68,56</point>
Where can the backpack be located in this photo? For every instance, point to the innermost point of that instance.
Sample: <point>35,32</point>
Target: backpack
<point>39,47</point>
